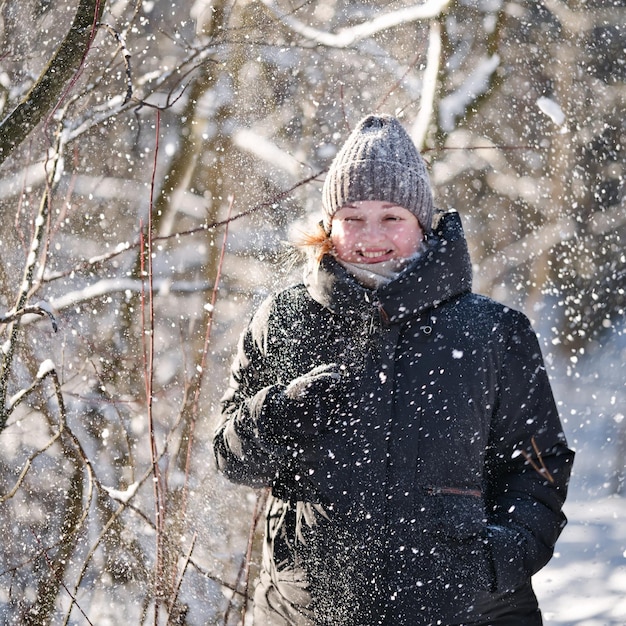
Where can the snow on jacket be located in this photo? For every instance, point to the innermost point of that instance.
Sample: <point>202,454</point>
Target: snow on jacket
<point>426,487</point>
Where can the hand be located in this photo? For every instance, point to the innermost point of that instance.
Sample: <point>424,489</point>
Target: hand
<point>315,381</point>
<point>311,398</point>
<point>302,409</point>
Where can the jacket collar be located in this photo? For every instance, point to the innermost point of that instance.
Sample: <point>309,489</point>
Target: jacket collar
<point>441,273</point>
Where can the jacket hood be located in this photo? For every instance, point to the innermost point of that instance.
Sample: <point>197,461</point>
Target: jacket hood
<point>443,272</point>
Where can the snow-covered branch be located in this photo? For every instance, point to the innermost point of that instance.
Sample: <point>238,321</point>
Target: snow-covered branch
<point>41,309</point>
<point>253,142</point>
<point>455,105</point>
<point>523,250</point>
<point>581,21</point>
<point>347,36</point>
<point>429,88</point>
<point>115,285</point>
<point>540,241</point>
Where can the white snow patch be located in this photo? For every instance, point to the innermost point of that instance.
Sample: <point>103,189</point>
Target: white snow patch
<point>45,306</point>
<point>122,495</point>
<point>585,584</point>
<point>45,368</point>
<point>552,109</point>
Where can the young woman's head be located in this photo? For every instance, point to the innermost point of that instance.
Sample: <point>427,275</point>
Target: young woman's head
<point>378,161</point>
<point>377,202</point>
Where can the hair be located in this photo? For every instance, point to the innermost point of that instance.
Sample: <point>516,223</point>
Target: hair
<point>314,242</point>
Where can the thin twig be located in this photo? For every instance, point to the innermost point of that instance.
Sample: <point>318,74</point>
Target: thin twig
<point>398,82</point>
<point>36,309</point>
<point>149,380</point>
<point>244,567</point>
<point>125,247</point>
<point>205,350</point>
<point>170,608</point>
<point>27,466</point>
<point>260,507</point>
<point>541,468</point>
<point>126,55</point>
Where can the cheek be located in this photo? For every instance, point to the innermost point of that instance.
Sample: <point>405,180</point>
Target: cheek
<point>344,243</point>
<point>341,237</point>
<point>336,239</point>
<point>408,240</point>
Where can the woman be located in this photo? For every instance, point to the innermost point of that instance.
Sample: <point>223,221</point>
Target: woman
<point>405,425</point>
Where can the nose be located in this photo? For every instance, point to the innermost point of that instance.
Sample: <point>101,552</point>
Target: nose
<point>372,232</point>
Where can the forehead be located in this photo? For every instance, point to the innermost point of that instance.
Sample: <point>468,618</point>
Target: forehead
<point>371,207</point>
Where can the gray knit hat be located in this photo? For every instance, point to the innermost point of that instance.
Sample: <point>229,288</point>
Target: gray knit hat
<point>379,161</point>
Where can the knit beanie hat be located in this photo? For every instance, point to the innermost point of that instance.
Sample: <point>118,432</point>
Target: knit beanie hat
<point>379,161</point>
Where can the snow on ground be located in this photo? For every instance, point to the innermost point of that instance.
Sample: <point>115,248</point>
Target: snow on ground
<point>585,583</point>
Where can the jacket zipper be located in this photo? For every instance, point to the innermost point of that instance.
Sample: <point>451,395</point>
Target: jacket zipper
<point>378,312</point>
<point>454,491</point>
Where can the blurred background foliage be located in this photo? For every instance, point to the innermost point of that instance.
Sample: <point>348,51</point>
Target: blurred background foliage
<point>138,137</point>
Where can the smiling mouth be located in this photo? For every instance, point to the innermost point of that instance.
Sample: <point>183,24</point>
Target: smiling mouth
<point>374,255</point>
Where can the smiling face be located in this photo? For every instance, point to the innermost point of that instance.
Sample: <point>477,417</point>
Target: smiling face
<point>372,231</point>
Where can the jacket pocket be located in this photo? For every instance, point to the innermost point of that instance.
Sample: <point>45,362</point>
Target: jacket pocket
<point>446,549</point>
<point>455,512</point>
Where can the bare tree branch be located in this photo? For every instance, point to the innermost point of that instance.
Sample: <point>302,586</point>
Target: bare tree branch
<point>45,93</point>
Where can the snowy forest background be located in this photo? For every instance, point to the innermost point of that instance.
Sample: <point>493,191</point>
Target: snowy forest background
<point>154,156</point>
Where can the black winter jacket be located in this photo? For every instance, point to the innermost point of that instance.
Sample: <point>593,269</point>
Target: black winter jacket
<point>426,486</point>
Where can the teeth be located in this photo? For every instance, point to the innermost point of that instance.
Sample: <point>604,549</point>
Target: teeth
<point>372,255</point>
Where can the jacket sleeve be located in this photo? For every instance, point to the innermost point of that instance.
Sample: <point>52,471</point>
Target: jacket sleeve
<point>528,463</point>
<point>242,452</point>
